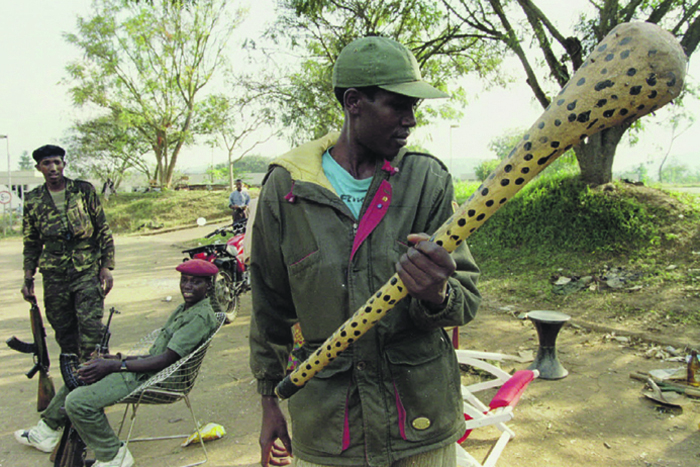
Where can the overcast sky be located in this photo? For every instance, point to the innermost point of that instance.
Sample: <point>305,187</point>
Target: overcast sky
<point>35,108</point>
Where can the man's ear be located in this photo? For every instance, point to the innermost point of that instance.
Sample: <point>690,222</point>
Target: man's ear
<point>352,100</point>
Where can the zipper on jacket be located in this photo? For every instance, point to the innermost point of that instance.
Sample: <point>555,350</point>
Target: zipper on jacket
<point>355,225</point>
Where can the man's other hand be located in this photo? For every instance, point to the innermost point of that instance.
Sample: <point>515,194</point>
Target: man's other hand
<point>274,430</point>
<point>106,280</point>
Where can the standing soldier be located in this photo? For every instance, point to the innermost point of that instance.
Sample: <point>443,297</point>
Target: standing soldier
<point>67,237</point>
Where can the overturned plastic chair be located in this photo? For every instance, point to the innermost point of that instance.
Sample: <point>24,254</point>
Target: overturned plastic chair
<point>499,411</point>
<point>169,385</point>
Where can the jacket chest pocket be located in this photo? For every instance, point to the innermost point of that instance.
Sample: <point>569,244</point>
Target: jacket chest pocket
<point>78,217</point>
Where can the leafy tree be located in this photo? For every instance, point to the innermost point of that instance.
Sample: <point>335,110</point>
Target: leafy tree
<point>236,124</point>
<point>107,148</point>
<point>318,29</point>
<point>252,164</point>
<point>504,144</point>
<point>501,145</point>
<point>485,168</point>
<point>497,21</point>
<point>218,173</point>
<point>25,161</point>
<point>680,122</point>
<point>678,173</point>
<point>146,63</point>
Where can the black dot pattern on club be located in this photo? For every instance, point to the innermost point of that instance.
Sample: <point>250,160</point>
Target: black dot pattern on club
<point>617,86</point>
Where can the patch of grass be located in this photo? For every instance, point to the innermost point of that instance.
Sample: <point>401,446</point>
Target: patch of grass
<point>558,226</point>
<point>132,212</point>
<point>562,214</point>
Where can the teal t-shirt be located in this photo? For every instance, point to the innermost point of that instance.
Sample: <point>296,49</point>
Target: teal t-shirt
<point>351,190</point>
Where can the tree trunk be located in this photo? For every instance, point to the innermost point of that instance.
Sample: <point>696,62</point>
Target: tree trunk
<point>596,155</point>
<point>230,171</point>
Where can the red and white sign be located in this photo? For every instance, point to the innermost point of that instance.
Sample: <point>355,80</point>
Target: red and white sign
<point>5,197</point>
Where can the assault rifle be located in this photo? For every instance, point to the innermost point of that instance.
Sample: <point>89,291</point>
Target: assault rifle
<point>41,356</point>
<point>71,450</point>
<point>70,362</point>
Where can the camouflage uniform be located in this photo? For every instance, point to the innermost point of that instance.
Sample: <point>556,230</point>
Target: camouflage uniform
<point>69,250</point>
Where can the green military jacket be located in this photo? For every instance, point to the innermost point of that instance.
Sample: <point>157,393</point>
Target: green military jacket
<point>80,242</point>
<point>394,392</point>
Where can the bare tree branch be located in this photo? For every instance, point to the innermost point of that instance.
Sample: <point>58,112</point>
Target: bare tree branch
<point>514,44</point>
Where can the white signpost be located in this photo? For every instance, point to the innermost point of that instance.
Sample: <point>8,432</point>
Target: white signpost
<point>5,198</point>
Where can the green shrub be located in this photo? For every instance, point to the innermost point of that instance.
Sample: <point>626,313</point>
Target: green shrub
<point>485,168</point>
<point>463,190</point>
<point>560,213</point>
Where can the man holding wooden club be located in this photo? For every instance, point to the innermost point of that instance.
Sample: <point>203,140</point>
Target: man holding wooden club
<point>336,218</point>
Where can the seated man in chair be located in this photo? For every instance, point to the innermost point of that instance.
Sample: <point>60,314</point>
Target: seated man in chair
<point>112,377</point>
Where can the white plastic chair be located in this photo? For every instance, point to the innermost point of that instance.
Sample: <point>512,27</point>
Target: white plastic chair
<point>499,411</point>
<point>169,385</point>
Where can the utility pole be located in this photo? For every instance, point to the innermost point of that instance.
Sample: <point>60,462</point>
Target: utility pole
<point>452,127</point>
<point>9,177</point>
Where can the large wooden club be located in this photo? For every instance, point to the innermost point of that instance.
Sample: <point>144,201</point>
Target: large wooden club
<point>635,70</point>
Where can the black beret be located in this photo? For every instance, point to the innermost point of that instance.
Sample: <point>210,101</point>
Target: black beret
<point>48,150</point>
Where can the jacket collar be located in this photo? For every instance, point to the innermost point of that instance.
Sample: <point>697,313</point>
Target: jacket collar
<point>69,188</point>
<point>304,163</point>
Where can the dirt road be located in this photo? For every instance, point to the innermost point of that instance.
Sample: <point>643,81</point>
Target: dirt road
<point>594,417</point>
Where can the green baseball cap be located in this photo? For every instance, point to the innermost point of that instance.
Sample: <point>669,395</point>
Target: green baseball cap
<point>385,63</point>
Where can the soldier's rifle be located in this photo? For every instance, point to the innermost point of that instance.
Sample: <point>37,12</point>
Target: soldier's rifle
<point>71,450</point>
<point>38,348</point>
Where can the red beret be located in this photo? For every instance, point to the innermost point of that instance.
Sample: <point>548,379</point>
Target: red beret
<point>198,267</point>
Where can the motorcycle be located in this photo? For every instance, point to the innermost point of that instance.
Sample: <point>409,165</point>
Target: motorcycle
<point>233,279</point>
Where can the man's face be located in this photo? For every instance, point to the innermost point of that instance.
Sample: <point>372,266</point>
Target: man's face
<point>52,169</point>
<point>239,186</point>
<point>385,122</point>
<point>193,288</point>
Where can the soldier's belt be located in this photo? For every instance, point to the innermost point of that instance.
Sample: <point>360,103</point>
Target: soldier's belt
<point>63,246</point>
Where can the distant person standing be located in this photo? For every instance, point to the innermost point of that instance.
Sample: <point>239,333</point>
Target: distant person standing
<point>238,202</point>
<point>108,189</point>
<point>67,237</point>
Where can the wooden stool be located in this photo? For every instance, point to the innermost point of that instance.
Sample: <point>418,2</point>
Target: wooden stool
<point>548,324</point>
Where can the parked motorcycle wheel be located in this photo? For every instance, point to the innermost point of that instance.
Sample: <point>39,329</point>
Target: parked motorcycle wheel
<point>226,296</point>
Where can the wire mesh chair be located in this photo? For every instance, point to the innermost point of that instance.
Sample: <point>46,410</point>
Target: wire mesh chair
<point>169,385</point>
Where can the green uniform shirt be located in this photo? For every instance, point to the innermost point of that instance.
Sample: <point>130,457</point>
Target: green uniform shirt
<point>186,329</point>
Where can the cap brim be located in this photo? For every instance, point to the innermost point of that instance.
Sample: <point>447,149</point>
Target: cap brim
<point>418,89</point>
